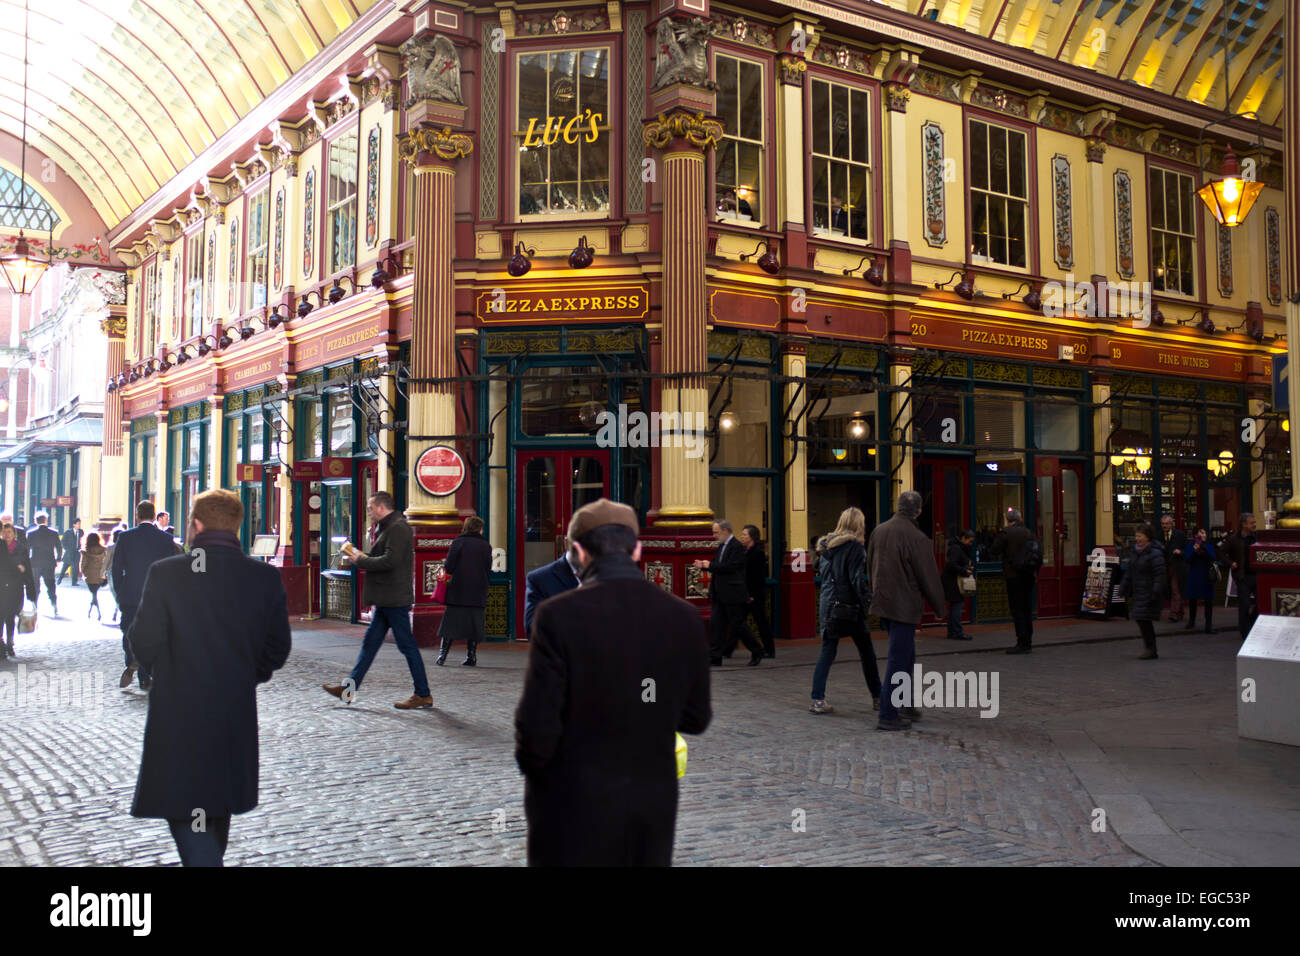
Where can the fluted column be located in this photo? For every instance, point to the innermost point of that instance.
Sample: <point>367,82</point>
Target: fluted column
<point>1291,245</point>
<point>684,140</point>
<point>113,472</point>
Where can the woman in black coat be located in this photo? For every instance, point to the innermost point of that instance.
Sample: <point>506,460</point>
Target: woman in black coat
<point>958,564</point>
<point>1202,564</point>
<point>468,562</point>
<point>1144,585</point>
<point>756,566</point>
<point>14,565</point>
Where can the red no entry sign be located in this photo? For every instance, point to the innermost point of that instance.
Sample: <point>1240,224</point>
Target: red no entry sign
<point>440,470</point>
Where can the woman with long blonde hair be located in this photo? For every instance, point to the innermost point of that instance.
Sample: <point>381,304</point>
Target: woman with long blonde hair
<point>843,604</point>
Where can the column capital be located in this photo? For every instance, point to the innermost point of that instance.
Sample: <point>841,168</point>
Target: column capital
<point>679,125</point>
<point>421,145</point>
<point>114,326</point>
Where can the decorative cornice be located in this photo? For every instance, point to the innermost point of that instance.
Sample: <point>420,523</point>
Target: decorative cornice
<point>697,129</point>
<point>113,326</point>
<point>443,143</point>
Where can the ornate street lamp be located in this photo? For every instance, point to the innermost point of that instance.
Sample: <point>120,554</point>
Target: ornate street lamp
<point>23,268</point>
<point>1230,197</point>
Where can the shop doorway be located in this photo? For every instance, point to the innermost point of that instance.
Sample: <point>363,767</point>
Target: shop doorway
<point>1180,496</point>
<point>944,486</point>
<point>551,485</point>
<point>1059,526</point>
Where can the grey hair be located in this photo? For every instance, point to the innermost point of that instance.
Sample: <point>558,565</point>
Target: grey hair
<point>724,524</point>
<point>1013,514</point>
<point>910,503</point>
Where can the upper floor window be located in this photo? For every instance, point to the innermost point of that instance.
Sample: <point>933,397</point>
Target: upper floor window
<point>999,195</point>
<point>193,285</point>
<point>258,237</point>
<point>738,161</point>
<point>149,308</point>
<point>22,207</point>
<point>1173,232</point>
<point>841,168</point>
<point>343,201</point>
<point>563,133</point>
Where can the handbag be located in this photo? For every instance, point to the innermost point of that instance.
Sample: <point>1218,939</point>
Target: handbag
<point>966,585</point>
<point>440,590</point>
<point>27,619</point>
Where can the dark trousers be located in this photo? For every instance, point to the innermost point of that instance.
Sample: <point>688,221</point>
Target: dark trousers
<point>399,619</point>
<point>45,575</point>
<point>902,657</point>
<point>1020,595</point>
<point>758,609</point>
<point>728,620</point>
<point>1246,609</point>
<point>955,609</point>
<point>1209,613</point>
<point>128,615</point>
<point>1148,631</point>
<point>70,564</point>
<point>10,626</point>
<point>205,848</point>
<point>830,647</point>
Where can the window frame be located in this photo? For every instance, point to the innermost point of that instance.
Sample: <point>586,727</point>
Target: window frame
<point>765,173</point>
<point>1198,253</point>
<point>194,297</point>
<point>332,205</point>
<point>1032,237</point>
<point>147,341</point>
<point>612,127</point>
<point>246,300</point>
<point>875,189</point>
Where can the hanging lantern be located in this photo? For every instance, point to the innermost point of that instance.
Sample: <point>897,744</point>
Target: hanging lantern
<point>1230,197</point>
<point>22,268</point>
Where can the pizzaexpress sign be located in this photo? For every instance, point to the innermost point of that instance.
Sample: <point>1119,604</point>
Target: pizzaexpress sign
<point>557,301</point>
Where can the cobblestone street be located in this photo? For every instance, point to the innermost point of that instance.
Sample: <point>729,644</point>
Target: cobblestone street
<point>1082,725</point>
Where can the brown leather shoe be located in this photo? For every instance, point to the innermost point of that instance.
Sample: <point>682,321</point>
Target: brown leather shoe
<point>335,689</point>
<point>414,701</point>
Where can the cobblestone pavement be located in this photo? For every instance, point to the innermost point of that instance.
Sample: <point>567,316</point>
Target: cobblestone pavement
<point>768,783</point>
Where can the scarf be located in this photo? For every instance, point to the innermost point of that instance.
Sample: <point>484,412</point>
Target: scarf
<point>609,567</point>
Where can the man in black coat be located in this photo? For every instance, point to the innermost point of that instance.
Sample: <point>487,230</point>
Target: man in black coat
<point>45,546</point>
<point>728,595</point>
<point>1021,585</point>
<point>1174,543</point>
<point>1242,568</point>
<point>547,581</point>
<point>616,667</point>
<point>390,589</point>
<point>211,626</point>
<point>135,552</point>
<point>72,553</point>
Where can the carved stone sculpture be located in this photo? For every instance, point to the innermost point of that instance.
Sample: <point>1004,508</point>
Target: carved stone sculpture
<point>432,68</point>
<point>681,53</point>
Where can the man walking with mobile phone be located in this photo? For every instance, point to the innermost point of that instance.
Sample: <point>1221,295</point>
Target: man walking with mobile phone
<point>390,589</point>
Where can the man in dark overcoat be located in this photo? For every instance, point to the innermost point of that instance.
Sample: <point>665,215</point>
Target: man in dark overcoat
<point>729,616</point>
<point>45,546</point>
<point>211,626</point>
<point>616,668</point>
<point>547,581</point>
<point>72,553</point>
<point>134,553</point>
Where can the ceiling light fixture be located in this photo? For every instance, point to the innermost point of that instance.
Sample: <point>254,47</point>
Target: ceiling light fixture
<point>23,268</point>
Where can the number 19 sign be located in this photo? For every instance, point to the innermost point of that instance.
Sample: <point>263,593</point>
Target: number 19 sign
<point>440,470</point>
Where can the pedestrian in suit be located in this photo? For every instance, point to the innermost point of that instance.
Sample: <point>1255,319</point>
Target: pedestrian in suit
<point>390,589</point>
<point>1144,585</point>
<point>900,566</point>
<point>756,565</point>
<point>594,730</point>
<point>1174,543</point>
<point>208,652</point>
<point>728,596</point>
<point>1242,568</point>
<point>71,552</point>
<point>957,564</point>
<point>165,524</point>
<point>1202,574</point>
<point>14,565</point>
<point>21,535</point>
<point>842,605</point>
<point>1021,584</point>
<point>45,545</point>
<point>469,559</point>
<point>136,551</point>
<point>547,581</point>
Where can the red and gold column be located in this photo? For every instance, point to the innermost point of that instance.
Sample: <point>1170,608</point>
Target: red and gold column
<point>432,153</point>
<point>684,139</point>
<point>113,471</point>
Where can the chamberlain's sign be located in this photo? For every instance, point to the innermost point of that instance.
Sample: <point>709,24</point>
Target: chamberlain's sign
<point>556,301</point>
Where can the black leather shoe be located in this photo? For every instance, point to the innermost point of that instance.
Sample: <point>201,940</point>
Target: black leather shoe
<point>755,660</point>
<point>960,637</point>
<point>911,713</point>
<point>1019,649</point>
<point>899,723</point>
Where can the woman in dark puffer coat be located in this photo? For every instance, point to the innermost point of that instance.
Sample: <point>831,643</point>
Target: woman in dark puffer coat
<point>1144,585</point>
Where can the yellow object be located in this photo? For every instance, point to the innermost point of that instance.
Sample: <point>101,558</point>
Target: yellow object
<point>681,756</point>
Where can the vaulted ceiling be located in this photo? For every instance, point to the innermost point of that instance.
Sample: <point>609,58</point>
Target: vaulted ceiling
<point>1170,46</point>
<point>123,94</point>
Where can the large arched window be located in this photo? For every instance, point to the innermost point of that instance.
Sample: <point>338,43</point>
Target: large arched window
<point>37,214</point>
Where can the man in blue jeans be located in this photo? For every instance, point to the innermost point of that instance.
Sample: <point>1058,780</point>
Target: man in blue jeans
<point>901,568</point>
<point>390,589</point>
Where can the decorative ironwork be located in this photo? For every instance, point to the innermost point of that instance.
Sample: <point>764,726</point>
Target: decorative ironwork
<point>235,402</point>
<point>1221,393</point>
<point>495,614</point>
<point>309,224</point>
<point>1058,377</point>
<point>1124,224</point>
<point>634,86</point>
<point>372,187</point>
<point>194,413</point>
<point>1061,212</point>
<point>1276,557</point>
<point>660,573</point>
<point>935,217</point>
<point>697,129</point>
<point>234,263</point>
<point>1225,261</point>
<point>515,343</point>
<point>431,570</point>
<point>175,416</point>
<point>148,425</point>
<point>489,104</point>
<point>602,342</point>
<point>1273,254</point>
<point>277,272</point>
<point>1286,602</point>
<point>697,582</point>
<point>997,372</point>
<point>310,379</point>
<point>1183,390</point>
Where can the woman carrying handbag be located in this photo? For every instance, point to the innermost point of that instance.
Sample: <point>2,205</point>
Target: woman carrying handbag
<point>843,605</point>
<point>958,581</point>
<point>14,564</point>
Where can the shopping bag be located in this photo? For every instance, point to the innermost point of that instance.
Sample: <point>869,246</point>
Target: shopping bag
<point>966,585</point>
<point>681,756</point>
<point>27,619</point>
<point>440,590</point>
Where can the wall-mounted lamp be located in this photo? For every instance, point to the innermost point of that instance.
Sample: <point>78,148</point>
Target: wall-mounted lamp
<point>336,292</point>
<point>275,319</point>
<point>1206,324</point>
<point>520,262</point>
<point>1249,327</point>
<point>875,274</point>
<point>182,356</point>
<point>582,255</point>
<point>857,428</point>
<point>122,380</point>
<point>727,421</point>
<point>768,261</point>
<point>304,306</point>
<point>134,376</point>
<point>965,288</point>
<point>112,385</point>
<point>1157,317</point>
<point>1032,299</point>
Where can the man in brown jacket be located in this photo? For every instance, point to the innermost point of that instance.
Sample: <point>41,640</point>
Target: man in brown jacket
<point>903,575</point>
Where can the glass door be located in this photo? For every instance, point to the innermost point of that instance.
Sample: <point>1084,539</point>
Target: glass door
<point>945,509</point>
<point>550,486</point>
<point>1059,526</point>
